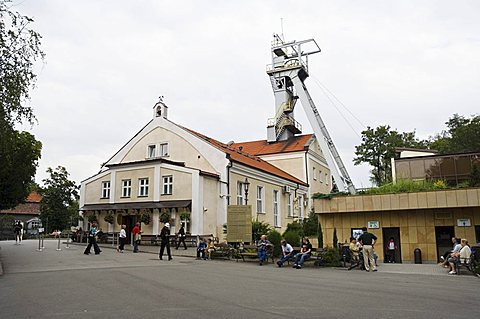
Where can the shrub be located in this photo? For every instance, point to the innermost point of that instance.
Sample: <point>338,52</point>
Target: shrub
<point>320,236</point>
<point>258,229</point>
<point>292,237</point>
<point>331,257</point>
<point>275,238</point>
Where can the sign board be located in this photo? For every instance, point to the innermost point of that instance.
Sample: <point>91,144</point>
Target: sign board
<point>41,230</point>
<point>239,223</point>
<point>356,232</point>
<point>373,224</point>
<point>464,222</point>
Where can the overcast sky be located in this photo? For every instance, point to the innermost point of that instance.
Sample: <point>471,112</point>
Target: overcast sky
<point>409,64</point>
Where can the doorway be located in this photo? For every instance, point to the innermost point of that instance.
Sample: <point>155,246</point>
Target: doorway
<point>443,237</point>
<point>392,232</point>
<point>129,222</point>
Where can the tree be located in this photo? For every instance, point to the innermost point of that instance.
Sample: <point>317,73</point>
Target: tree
<point>19,154</point>
<point>378,147</point>
<point>59,200</point>
<point>310,224</point>
<point>19,151</point>
<point>462,135</point>
<point>20,48</point>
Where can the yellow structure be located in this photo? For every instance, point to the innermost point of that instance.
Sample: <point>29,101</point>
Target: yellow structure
<point>424,220</point>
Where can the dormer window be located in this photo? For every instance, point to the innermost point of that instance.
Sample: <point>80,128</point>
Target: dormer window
<point>151,151</point>
<point>164,149</point>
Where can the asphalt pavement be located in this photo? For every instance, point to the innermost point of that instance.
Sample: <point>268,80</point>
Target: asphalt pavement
<point>69,284</point>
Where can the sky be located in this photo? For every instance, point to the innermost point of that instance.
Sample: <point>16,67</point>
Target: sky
<point>407,64</point>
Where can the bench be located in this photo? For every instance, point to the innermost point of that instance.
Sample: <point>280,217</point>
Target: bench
<point>222,250</point>
<point>316,257</point>
<point>251,251</point>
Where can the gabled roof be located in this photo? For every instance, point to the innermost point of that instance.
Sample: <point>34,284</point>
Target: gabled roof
<point>30,207</point>
<point>243,157</point>
<point>262,147</point>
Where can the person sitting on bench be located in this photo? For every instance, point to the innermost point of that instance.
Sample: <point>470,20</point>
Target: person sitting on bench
<point>287,251</point>
<point>304,254</point>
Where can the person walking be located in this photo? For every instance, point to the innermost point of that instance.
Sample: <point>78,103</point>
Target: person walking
<point>368,241</point>
<point>136,237</point>
<point>92,233</point>
<point>18,233</point>
<point>122,239</point>
<point>181,237</point>
<point>165,237</point>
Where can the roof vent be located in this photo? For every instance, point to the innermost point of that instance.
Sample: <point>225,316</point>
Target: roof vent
<point>230,143</point>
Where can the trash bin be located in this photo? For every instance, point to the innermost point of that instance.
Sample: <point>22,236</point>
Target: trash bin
<point>417,253</point>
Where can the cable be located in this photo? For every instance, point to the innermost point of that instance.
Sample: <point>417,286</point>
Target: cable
<point>344,106</point>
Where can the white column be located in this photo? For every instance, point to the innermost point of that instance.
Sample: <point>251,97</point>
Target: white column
<point>197,204</point>
<point>157,183</point>
<point>111,200</point>
<point>156,222</point>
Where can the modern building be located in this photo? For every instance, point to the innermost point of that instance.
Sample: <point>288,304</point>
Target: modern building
<point>424,220</point>
<point>170,169</point>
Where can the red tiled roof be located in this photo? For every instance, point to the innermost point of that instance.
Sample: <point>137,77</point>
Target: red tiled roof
<point>262,147</point>
<point>30,207</point>
<point>243,157</point>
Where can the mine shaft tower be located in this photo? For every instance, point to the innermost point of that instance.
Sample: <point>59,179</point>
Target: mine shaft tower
<point>288,72</point>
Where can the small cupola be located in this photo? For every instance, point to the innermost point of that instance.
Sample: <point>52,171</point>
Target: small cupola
<point>160,109</point>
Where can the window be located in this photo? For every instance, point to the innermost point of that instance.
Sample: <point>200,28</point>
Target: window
<point>320,176</point>
<point>164,149</point>
<point>143,187</point>
<point>151,151</point>
<point>105,189</point>
<point>276,211</point>
<point>126,188</point>
<point>240,197</point>
<point>326,179</point>
<point>289,205</point>
<point>260,196</point>
<point>314,174</point>
<point>167,185</point>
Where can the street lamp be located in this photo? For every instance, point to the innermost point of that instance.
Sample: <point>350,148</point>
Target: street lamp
<point>246,185</point>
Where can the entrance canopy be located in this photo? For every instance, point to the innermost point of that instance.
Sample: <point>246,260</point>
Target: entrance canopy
<point>139,205</point>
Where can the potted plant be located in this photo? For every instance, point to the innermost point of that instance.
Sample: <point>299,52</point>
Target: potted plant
<point>145,218</point>
<point>92,218</point>
<point>165,217</point>
<point>185,216</point>
<point>109,218</point>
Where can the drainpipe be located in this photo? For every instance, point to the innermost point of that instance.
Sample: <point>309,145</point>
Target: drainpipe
<point>228,178</point>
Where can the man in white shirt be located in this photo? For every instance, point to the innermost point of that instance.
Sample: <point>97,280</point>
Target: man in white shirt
<point>287,251</point>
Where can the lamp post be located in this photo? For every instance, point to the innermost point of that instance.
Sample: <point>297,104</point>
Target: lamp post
<point>246,185</point>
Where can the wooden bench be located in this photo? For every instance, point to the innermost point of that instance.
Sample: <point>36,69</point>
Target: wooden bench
<point>251,251</point>
<point>316,257</point>
<point>222,250</point>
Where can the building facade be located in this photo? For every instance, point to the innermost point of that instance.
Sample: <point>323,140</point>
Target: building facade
<point>423,220</point>
<point>167,169</point>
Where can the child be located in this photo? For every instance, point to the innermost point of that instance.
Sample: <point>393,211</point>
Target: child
<point>210,248</point>
<point>202,246</point>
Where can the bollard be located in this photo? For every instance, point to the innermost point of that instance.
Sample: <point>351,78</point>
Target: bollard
<point>417,255</point>
<point>43,247</point>
<point>39,243</point>
<point>58,245</point>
